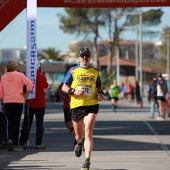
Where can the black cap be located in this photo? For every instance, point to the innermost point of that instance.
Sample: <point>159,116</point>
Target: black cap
<point>84,50</point>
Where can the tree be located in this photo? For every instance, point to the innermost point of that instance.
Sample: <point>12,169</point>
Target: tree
<point>113,20</point>
<point>71,54</point>
<point>106,79</point>
<point>165,36</point>
<point>51,53</point>
<point>90,21</point>
<point>83,22</point>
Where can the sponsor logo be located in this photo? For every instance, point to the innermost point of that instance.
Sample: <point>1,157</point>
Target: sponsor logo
<point>113,1</point>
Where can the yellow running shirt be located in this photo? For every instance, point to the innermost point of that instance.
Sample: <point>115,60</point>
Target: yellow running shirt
<point>87,79</point>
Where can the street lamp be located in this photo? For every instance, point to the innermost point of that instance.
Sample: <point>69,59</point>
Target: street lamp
<point>140,51</point>
<point>118,65</point>
<point>168,57</point>
<point>136,49</point>
<point>168,39</point>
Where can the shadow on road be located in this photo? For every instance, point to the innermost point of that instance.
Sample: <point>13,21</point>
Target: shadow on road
<point>108,136</point>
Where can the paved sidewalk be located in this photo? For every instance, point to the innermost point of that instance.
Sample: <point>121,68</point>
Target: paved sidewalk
<point>125,140</point>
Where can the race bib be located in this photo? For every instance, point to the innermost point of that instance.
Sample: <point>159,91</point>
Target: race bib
<point>86,89</point>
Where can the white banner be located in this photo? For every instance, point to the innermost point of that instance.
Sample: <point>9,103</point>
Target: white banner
<point>31,54</point>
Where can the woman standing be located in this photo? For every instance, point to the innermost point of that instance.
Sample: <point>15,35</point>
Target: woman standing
<point>11,91</point>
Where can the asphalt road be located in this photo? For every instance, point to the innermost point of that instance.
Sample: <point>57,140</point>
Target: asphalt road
<point>125,140</point>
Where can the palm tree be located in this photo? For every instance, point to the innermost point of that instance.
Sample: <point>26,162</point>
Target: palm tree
<point>52,53</point>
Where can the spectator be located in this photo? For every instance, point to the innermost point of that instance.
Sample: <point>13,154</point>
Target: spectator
<point>132,93</point>
<point>3,125</point>
<point>123,90</point>
<point>36,107</point>
<point>153,98</point>
<point>107,94</point>
<point>147,90</point>
<point>65,97</point>
<point>137,94</point>
<point>168,85</point>
<point>51,93</point>
<point>11,91</point>
<point>3,119</point>
<point>128,91</point>
<point>161,96</point>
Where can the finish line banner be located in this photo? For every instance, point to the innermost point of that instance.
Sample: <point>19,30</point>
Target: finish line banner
<point>31,54</point>
<point>110,3</point>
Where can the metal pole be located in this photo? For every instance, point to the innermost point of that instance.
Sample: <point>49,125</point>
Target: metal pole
<point>136,59</point>
<point>0,56</point>
<point>136,50</point>
<point>168,57</point>
<point>140,52</point>
<point>118,67</point>
<point>140,59</point>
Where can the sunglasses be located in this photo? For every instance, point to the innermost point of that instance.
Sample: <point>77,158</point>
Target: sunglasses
<point>85,55</point>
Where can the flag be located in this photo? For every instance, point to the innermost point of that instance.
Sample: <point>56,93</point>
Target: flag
<point>31,53</point>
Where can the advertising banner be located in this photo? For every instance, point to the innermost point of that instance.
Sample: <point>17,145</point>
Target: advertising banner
<point>9,9</point>
<point>111,3</point>
<point>31,53</point>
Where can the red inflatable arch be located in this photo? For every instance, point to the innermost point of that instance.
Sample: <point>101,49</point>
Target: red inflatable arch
<point>9,9</point>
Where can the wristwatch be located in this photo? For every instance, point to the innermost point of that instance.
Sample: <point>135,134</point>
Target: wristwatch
<point>71,91</point>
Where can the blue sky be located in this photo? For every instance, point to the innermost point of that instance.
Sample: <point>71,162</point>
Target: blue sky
<point>49,34</point>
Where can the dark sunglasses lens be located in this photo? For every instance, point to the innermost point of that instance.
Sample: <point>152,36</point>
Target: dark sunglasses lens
<point>85,55</point>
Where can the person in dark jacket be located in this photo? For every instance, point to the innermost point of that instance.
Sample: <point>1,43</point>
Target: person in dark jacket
<point>137,94</point>
<point>3,119</point>
<point>36,107</point>
<point>153,98</point>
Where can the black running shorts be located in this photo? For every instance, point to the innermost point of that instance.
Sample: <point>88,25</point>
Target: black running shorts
<point>79,112</point>
<point>161,98</point>
<point>116,98</point>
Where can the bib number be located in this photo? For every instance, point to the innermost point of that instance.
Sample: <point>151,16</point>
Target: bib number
<point>86,89</point>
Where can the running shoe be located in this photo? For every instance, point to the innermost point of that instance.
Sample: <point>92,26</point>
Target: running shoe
<point>42,146</point>
<point>78,149</point>
<point>86,165</point>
